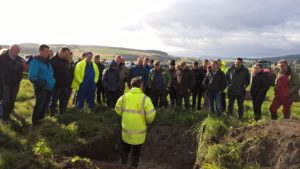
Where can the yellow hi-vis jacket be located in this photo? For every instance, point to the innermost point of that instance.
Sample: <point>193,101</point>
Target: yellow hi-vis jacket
<point>79,74</point>
<point>137,111</point>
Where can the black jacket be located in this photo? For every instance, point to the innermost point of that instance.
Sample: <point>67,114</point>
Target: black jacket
<point>260,84</point>
<point>173,78</point>
<point>11,71</point>
<point>215,82</point>
<point>101,67</point>
<point>62,72</point>
<point>238,80</point>
<point>111,80</point>
<point>185,81</point>
<point>198,81</point>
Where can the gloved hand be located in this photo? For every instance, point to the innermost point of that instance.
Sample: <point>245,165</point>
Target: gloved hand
<point>40,84</point>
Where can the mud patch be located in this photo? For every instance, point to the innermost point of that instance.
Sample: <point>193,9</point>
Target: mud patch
<point>166,147</point>
<point>281,140</point>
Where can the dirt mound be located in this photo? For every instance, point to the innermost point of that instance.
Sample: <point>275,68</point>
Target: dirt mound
<point>280,146</point>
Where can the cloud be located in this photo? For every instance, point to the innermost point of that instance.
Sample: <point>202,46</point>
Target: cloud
<point>228,28</point>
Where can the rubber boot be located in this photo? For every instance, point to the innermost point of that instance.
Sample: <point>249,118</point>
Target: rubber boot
<point>274,116</point>
<point>135,161</point>
<point>124,158</point>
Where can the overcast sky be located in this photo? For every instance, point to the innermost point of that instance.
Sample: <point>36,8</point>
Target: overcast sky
<point>200,28</point>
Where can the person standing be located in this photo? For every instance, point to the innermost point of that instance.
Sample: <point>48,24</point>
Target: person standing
<point>111,84</point>
<point>185,80</point>
<point>196,92</point>
<point>42,76</point>
<point>159,83</point>
<point>123,71</point>
<point>85,79</point>
<point>100,88</point>
<point>215,82</point>
<point>75,99</point>
<point>137,70</point>
<point>238,78</point>
<point>11,71</point>
<point>287,85</point>
<point>259,87</point>
<point>71,70</point>
<point>63,80</point>
<point>203,70</point>
<point>172,91</point>
<point>137,111</point>
<point>223,95</point>
<point>148,69</point>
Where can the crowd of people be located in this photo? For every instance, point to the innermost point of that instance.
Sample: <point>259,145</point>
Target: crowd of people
<point>56,76</point>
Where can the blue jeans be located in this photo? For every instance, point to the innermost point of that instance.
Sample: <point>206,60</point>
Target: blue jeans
<point>61,95</point>
<point>86,93</point>
<point>215,98</point>
<point>41,105</point>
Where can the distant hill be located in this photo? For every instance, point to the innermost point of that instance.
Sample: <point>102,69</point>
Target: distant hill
<point>104,51</point>
<point>289,58</point>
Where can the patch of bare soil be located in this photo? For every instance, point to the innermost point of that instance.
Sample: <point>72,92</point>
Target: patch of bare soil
<point>166,147</point>
<point>281,143</point>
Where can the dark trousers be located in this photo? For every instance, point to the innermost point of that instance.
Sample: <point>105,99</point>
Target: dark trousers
<point>61,95</point>
<point>240,100</point>
<point>214,98</point>
<point>159,98</point>
<point>100,94</point>
<point>86,93</point>
<point>186,99</point>
<point>257,101</point>
<point>69,93</point>
<point>223,98</point>
<point>173,95</point>
<point>9,96</point>
<point>197,97</point>
<point>135,155</point>
<point>112,98</point>
<point>41,104</point>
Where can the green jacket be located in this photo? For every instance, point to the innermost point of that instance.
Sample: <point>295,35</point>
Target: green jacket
<point>165,74</point>
<point>123,70</point>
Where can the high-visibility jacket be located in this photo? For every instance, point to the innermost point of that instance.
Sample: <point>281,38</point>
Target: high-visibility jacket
<point>80,72</point>
<point>223,67</point>
<point>137,111</point>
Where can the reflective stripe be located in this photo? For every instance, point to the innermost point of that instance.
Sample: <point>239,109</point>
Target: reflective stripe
<point>149,112</point>
<point>132,132</point>
<point>131,111</point>
<point>143,104</point>
<point>118,108</point>
<point>123,105</point>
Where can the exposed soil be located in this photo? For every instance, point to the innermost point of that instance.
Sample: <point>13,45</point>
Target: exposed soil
<point>166,147</point>
<point>281,148</point>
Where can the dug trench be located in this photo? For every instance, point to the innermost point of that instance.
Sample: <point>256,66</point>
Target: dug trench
<point>166,147</point>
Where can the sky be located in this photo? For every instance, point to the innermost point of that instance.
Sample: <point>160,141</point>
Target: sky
<point>193,28</point>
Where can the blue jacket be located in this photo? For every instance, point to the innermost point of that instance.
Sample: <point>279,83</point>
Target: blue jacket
<point>41,69</point>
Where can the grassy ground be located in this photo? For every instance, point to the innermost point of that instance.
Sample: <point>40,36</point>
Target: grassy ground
<point>22,147</point>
